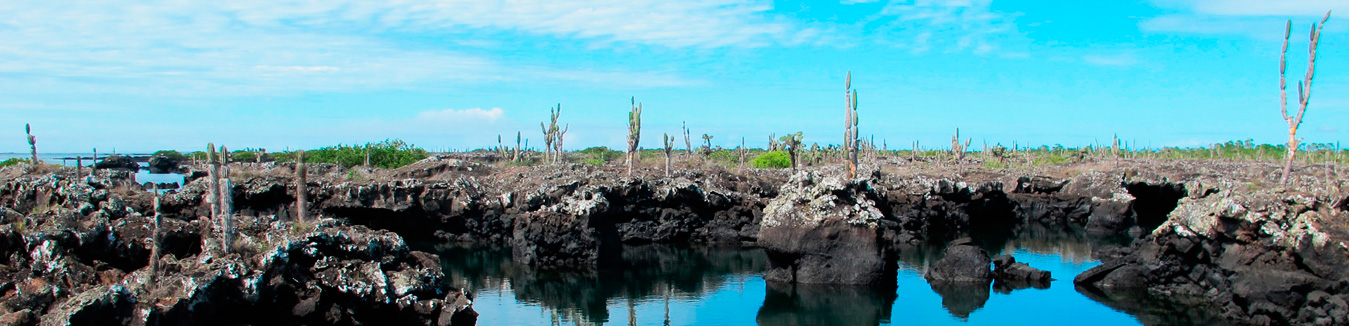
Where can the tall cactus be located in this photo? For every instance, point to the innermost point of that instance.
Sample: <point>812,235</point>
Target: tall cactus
<point>743,152</point>
<point>1304,90</point>
<point>551,134</point>
<point>212,181</point>
<point>516,156</point>
<point>32,143</point>
<point>707,145</point>
<point>688,144</point>
<point>301,187</point>
<point>1114,147</point>
<point>957,148</point>
<point>155,248</point>
<point>226,194</point>
<point>850,126</point>
<point>793,144</point>
<point>557,143</point>
<point>635,134</point>
<point>669,147</point>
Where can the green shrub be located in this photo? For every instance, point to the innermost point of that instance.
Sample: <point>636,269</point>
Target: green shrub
<point>243,156</point>
<point>387,154</point>
<point>598,155</point>
<point>772,160</point>
<point>171,154</point>
<point>13,162</point>
<point>1050,160</point>
<point>725,157</point>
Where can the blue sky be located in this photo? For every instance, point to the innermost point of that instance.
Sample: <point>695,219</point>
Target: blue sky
<point>283,74</point>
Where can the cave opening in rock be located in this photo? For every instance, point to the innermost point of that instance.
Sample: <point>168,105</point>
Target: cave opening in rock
<point>1152,203</point>
<point>412,222</point>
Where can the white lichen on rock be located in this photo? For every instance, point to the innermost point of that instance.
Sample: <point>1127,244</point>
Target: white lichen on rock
<point>808,200</point>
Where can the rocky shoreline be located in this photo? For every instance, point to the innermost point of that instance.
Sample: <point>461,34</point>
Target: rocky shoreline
<point>76,250</point>
<point>1205,234</point>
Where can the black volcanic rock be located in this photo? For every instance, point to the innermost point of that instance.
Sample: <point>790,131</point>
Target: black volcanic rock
<point>119,162</point>
<point>83,254</point>
<point>962,263</point>
<point>163,164</point>
<point>1006,268</point>
<point>823,230</point>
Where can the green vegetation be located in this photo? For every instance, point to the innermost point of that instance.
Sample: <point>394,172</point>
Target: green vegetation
<point>598,155</point>
<point>772,160</point>
<point>387,154</point>
<point>173,154</point>
<point>244,156</point>
<point>12,162</point>
<point>1051,159</point>
<point>395,153</point>
<point>724,157</point>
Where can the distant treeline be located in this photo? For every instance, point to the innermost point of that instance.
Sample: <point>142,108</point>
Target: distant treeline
<point>395,153</point>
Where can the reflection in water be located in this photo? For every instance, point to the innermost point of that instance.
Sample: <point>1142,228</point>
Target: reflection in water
<point>801,304</point>
<point>1064,252</point>
<point>1155,313</point>
<point>1006,286</point>
<point>679,285</point>
<point>961,298</point>
<point>646,272</point>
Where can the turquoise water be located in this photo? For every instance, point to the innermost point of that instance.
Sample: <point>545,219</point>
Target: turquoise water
<point>664,285</point>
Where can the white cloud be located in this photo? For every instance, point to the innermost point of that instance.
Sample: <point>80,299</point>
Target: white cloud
<point>293,68</point>
<point>1115,60</point>
<point>249,47</point>
<point>951,25</point>
<point>1259,19</point>
<point>1259,7</point>
<point>1269,29</point>
<point>476,115</point>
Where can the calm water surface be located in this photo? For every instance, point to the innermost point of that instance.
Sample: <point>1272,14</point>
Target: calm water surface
<point>669,285</point>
